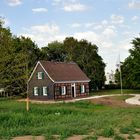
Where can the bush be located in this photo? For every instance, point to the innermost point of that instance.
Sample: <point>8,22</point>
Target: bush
<point>108,132</point>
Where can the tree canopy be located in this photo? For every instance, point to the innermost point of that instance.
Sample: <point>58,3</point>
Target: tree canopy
<point>131,67</point>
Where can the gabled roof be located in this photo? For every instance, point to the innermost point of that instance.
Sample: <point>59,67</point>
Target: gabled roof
<point>63,72</point>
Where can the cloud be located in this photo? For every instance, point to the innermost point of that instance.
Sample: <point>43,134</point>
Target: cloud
<point>116,19</point>
<point>134,5</point>
<point>72,7</point>
<point>109,32</point>
<point>43,34</point>
<point>6,21</point>
<point>56,2</point>
<point>14,2</point>
<point>134,18</point>
<point>46,28</point>
<point>39,10</point>
<point>75,25</point>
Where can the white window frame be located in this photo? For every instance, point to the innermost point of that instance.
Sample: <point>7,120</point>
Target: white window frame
<point>82,88</point>
<point>39,75</point>
<point>63,90</point>
<point>45,91</point>
<point>35,91</point>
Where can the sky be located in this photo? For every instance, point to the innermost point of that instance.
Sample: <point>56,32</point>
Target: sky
<point>110,24</point>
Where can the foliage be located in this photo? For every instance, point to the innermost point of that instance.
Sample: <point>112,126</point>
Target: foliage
<point>18,54</point>
<point>131,67</point>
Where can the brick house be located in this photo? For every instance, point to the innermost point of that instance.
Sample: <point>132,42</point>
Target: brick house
<point>57,80</point>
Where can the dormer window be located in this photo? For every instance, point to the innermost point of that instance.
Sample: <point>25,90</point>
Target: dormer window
<point>40,75</point>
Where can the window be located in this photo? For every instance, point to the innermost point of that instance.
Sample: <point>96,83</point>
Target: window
<point>45,91</point>
<point>36,91</point>
<point>63,90</point>
<point>82,89</point>
<point>40,75</point>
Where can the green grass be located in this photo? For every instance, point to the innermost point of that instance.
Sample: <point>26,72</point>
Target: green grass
<point>66,119</point>
<point>123,98</point>
<point>115,91</point>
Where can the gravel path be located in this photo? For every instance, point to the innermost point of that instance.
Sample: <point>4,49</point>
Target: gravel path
<point>134,100</point>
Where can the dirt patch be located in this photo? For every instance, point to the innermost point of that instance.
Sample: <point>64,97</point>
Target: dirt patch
<point>77,137</point>
<point>103,138</point>
<point>29,138</point>
<point>110,101</point>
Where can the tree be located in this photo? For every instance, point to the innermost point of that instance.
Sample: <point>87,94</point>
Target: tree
<point>16,53</point>
<point>54,51</point>
<point>131,66</point>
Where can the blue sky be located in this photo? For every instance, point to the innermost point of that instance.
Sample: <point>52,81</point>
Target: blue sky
<point>110,24</point>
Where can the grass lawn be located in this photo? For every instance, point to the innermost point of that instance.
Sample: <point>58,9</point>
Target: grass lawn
<point>67,119</point>
<point>115,91</point>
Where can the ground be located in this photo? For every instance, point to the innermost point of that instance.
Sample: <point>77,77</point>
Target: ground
<point>108,118</point>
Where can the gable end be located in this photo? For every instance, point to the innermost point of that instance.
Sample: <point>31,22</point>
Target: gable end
<point>38,63</point>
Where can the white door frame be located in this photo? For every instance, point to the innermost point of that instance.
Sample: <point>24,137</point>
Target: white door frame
<point>73,85</point>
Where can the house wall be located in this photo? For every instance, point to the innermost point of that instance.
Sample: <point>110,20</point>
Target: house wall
<point>46,81</point>
<point>58,95</point>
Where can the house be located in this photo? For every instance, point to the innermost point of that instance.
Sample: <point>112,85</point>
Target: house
<point>57,80</point>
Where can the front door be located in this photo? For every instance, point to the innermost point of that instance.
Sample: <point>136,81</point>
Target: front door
<point>73,90</point>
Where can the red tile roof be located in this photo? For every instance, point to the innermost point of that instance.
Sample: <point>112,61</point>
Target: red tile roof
<point>62,71</point>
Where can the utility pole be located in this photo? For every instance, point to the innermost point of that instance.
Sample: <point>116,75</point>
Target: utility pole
<point>27,88</point>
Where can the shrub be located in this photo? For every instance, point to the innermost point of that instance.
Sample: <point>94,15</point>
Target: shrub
<point>108,132</point>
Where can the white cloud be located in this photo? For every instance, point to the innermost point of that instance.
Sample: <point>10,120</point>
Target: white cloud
<point>98,27</point>
<point>89,35</point>
<point>46,28</point>
<point>70,5</point>
<point>90,24</point>
<point>5,20</point>
<point>134,5</point>
<point>74,7</point>
<point>134,18</point>
<point>109,33</point>
<point>116,19</point>
<point>75,25</point>
<point>39,10</point>
<point>43,34</point>
<point>14,2</point>
<point>104,22</point>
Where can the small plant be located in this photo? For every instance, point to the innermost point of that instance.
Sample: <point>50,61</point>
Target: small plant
<point>108,132</point>
<point>117,137</point>
<point>131,137</point>
<point>91,138</point>
<point>127,130</point>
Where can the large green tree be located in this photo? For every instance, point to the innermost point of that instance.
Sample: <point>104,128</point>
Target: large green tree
<point>18,56</point>
<point>131,67</point>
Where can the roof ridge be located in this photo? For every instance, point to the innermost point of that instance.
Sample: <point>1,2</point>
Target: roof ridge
<point>58,62</point>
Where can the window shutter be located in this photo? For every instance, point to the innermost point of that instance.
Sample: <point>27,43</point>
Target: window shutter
<point>42,75</point>
<point>80,89</point>
<point>60,90</point>
<point>47,89</point>
<point>37,75</point>
<point>65,89</point>
<point>41,91</point>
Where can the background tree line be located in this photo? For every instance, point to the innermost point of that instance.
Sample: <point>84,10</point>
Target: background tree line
<point>19,54</point>
<point>130,68</point>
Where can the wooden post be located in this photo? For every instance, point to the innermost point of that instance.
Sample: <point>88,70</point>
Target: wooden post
<point>27,104</point>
